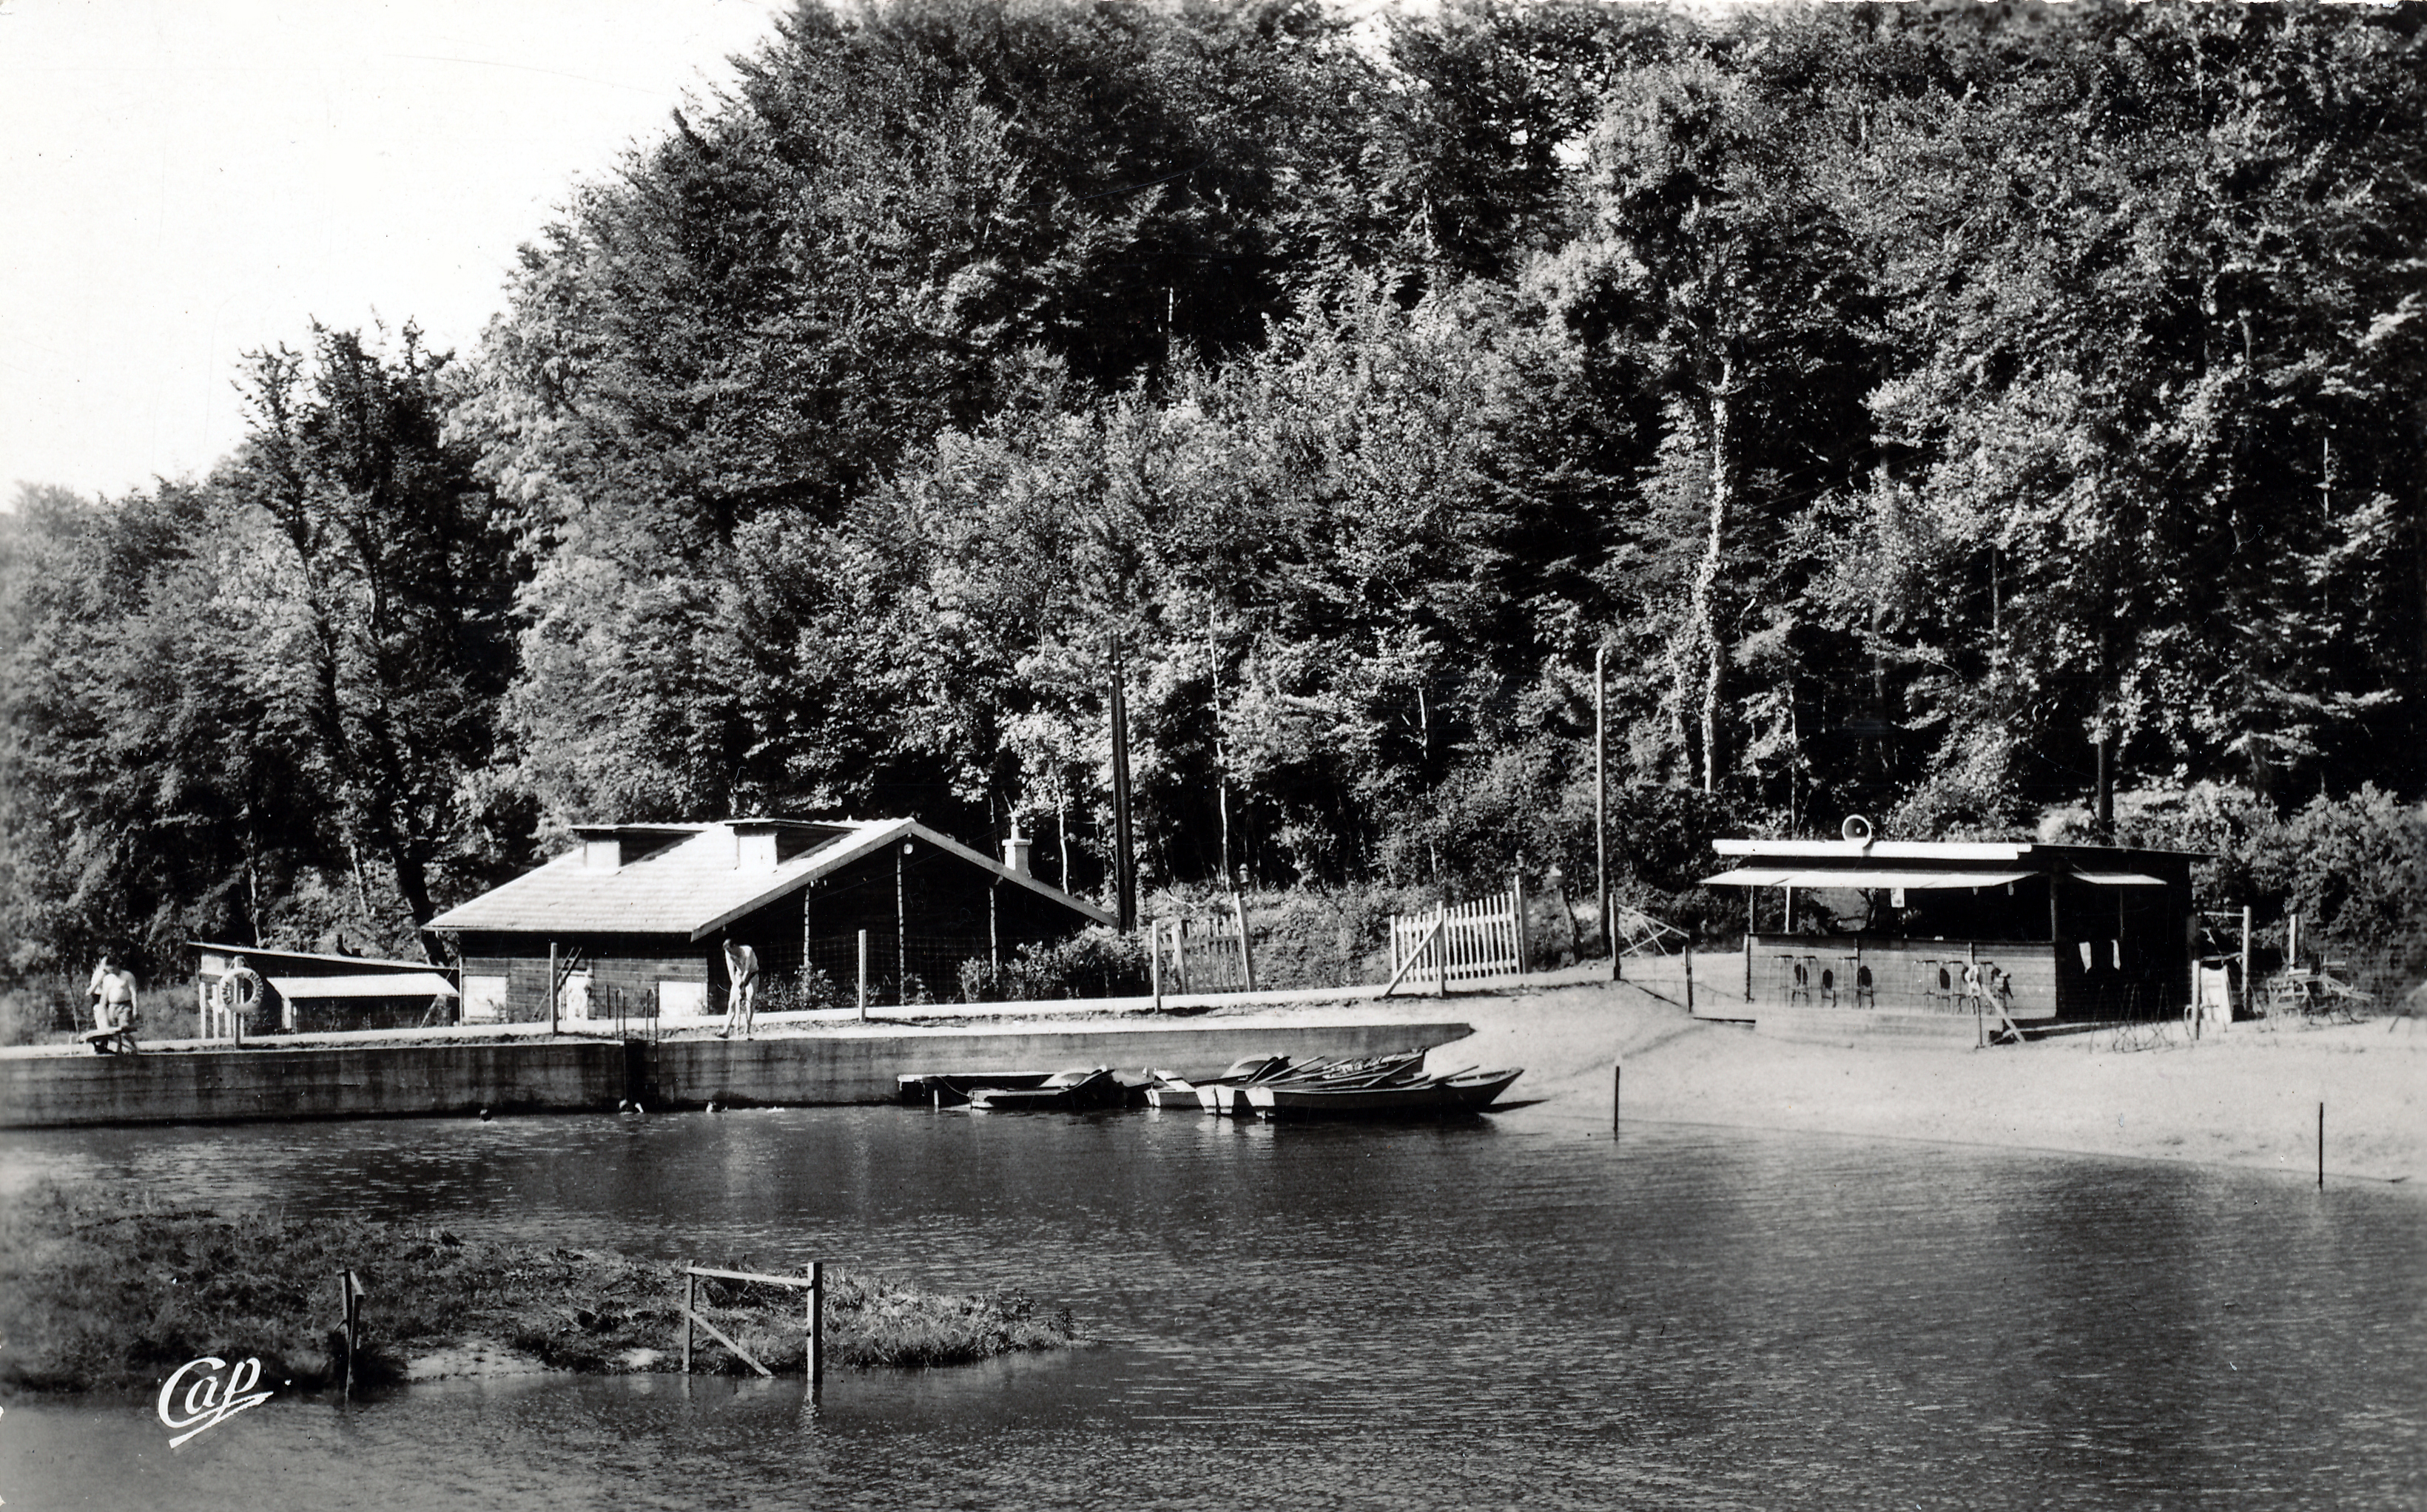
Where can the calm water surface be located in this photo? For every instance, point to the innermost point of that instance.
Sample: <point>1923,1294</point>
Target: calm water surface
<point>1502,1314</point>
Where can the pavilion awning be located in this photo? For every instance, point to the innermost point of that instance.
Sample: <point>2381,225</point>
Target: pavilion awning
<point>370,984</point>
<point>2115,879</point>
<point>1866,877</point>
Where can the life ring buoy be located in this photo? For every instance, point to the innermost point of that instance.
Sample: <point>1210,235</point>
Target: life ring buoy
<point>240,990</point>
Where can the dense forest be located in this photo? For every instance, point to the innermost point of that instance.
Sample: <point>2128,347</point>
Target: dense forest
<point>1916,406</point>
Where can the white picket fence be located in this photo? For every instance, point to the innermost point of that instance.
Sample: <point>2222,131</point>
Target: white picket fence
<point>1459,942</point>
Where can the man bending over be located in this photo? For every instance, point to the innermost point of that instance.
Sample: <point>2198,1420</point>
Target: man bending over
<point>742,1004</point>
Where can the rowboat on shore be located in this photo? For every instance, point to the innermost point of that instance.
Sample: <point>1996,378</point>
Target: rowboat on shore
<point>1461,1092</point>
<point>1332,1072</point>
<point>1178,1093</point>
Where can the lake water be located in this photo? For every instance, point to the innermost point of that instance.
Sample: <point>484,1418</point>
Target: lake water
<point>1515,1312</point>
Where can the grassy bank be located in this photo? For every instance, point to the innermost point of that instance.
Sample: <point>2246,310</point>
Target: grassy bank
<point>107,1290</point>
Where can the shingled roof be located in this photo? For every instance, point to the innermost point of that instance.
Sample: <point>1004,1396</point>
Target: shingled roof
<point>694,879</point>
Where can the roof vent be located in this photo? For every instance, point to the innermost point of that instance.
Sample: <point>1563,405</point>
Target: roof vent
<point>758,849</point>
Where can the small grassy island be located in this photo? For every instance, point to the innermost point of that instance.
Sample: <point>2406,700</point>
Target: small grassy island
<point>108,1291</point>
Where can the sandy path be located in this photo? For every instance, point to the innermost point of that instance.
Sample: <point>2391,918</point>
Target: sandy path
<point>2249,1097</point>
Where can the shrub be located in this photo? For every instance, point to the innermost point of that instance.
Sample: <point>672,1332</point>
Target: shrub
<point>1095,963</point>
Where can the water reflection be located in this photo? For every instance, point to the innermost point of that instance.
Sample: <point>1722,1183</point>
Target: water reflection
<point>1492,1313</point>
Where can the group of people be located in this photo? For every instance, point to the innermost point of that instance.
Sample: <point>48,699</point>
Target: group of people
<point>115,1012</point>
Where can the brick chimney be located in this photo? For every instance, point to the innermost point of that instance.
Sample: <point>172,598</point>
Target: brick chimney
<point>1015,852</point>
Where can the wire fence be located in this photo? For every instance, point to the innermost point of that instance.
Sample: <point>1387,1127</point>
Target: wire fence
<point>895,971</point>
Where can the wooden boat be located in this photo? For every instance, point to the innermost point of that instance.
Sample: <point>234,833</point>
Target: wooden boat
<point>1330,1072</point>
<point>950,1089</point>
<point>1178,1093</point>
<point>1468,1091</point>
<point>1075,1091</point>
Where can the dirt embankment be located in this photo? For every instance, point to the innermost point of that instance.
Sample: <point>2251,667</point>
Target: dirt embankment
<point>2248,1096</point>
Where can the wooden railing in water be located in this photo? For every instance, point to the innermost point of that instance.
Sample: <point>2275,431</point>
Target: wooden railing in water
<point>814,1284</point>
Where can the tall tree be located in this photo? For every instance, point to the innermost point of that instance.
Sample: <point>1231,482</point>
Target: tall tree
<point>391,596</point>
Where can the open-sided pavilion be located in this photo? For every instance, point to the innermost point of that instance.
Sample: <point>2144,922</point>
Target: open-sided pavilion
<point>2031,933</point>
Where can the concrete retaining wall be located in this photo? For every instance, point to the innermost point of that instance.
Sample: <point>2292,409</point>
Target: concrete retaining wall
<point>404,1081</point>
<point>352,1081</point>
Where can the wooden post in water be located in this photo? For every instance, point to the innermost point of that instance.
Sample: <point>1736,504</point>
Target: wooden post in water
<point>690,1298</point>
<point>1616,1092</point>
<point>349,1294</point>
<point>2322,1147</point>
<point>817,1360</point>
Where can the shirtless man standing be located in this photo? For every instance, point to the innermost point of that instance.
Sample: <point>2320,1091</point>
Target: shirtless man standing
<point>112,991</point>
<point>742,1005</point>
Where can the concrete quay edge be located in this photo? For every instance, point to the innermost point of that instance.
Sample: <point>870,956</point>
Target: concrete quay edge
<point>567,1075</point>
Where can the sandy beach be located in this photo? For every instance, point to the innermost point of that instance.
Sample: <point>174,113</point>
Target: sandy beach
<point>2246,1098</point>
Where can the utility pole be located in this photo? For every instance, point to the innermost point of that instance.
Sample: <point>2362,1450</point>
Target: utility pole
<point>1124,864</point>
<point>1600,792</point>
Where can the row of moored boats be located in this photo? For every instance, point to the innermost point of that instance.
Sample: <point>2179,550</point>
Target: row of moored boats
<point>1260,1086</point>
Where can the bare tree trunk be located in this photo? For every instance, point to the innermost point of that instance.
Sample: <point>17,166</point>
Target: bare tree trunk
<point>1703,613</point>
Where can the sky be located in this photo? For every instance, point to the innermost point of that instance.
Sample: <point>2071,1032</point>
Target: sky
<point>185,181</point>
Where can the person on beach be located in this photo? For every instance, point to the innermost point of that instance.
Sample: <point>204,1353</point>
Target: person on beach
<point>114,1010</point>
<point>742,1002</point>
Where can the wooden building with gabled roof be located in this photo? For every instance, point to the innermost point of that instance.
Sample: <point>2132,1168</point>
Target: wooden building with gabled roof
<point>635,917</point>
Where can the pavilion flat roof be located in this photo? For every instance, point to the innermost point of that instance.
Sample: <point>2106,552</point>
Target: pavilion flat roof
<point>1932,864</point>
